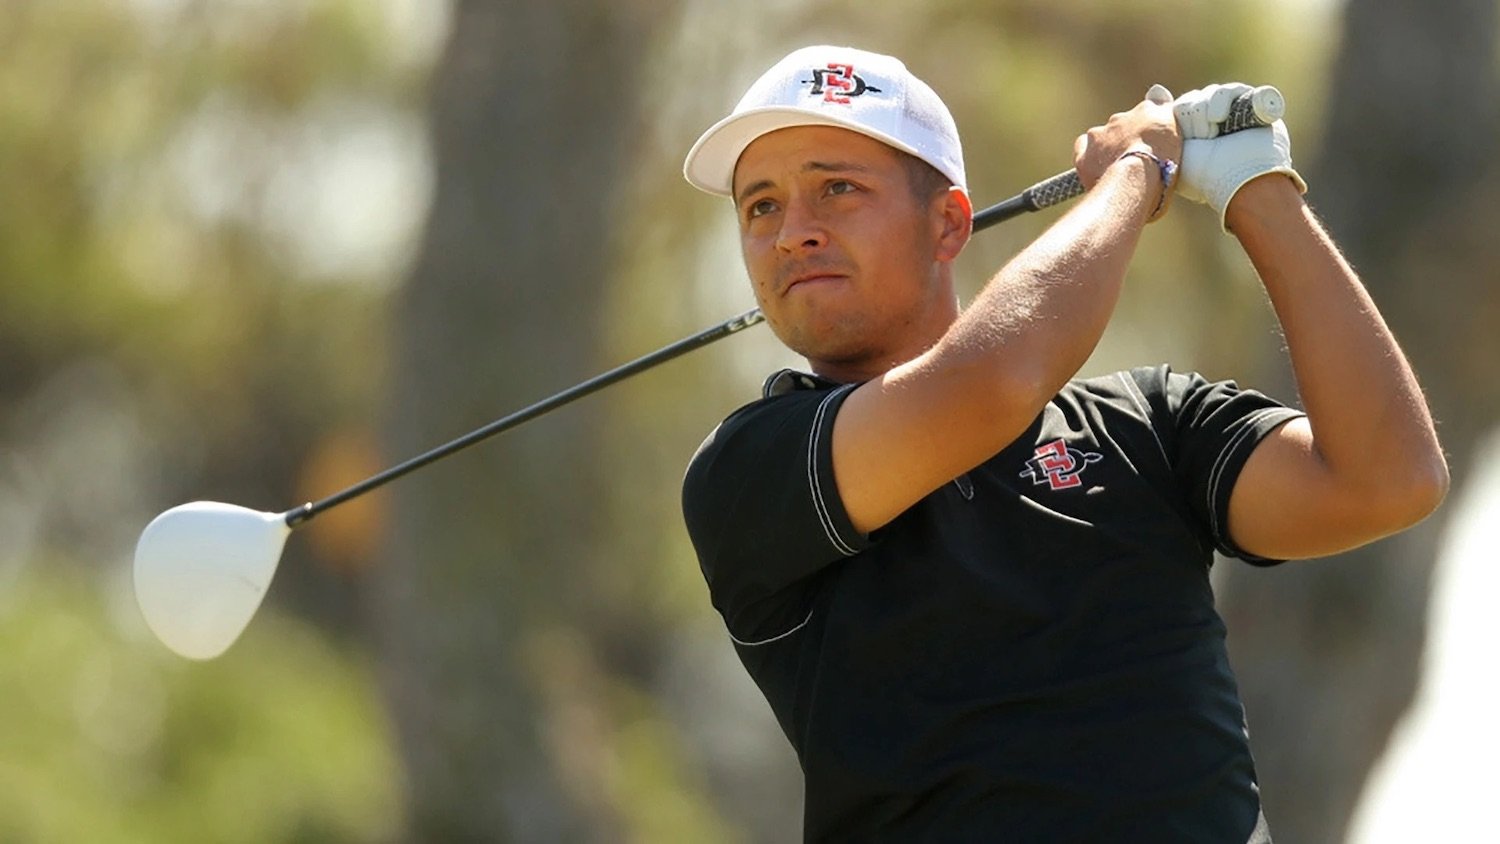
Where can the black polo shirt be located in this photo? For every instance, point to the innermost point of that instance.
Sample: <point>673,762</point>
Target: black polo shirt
<point>1030,653</point>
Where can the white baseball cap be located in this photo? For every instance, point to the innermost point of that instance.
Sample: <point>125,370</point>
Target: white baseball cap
<point>865,92</point>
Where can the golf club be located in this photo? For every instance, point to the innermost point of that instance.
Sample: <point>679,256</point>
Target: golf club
<point>202,569</point>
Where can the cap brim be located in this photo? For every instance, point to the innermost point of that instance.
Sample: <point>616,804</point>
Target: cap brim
<point>710,163</point>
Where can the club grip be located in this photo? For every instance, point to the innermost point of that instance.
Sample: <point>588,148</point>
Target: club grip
<point>1256,108</point>
<point>1259,107</point>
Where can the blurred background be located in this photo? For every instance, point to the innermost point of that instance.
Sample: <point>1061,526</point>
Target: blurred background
<point>253,250</point>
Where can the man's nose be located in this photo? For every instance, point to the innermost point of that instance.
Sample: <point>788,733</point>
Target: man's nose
<point>800,229</point>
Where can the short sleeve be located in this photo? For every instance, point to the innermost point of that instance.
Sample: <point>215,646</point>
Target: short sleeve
<point>1212,427</point>
<point>763,513</point>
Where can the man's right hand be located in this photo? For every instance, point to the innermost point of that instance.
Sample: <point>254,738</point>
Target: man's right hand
<point>1149,127</point>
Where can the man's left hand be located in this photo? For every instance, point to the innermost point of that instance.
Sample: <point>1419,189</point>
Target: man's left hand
<point>1215,167</point>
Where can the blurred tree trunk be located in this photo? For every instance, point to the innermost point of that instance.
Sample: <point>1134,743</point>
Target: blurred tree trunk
<point>1328,652</point>
<point>530,108</point>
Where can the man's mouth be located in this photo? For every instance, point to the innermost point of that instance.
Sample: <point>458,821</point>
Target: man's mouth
<point>813,278</point>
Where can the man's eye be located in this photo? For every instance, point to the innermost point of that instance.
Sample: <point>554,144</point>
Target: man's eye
<point>840,186</point>
<point>756,209</point>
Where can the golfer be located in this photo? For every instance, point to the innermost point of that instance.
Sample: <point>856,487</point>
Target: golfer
<point>973,588</point>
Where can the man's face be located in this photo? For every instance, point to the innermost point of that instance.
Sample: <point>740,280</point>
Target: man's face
<point>844,258</point>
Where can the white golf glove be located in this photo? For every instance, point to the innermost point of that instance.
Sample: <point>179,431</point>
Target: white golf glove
<point>1215,168</point>
<point>1200,112</point>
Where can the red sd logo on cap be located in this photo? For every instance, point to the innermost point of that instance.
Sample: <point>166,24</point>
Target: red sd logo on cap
<point>837,83</point>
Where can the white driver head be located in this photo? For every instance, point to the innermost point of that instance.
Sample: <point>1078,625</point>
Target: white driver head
<point>201,570</point>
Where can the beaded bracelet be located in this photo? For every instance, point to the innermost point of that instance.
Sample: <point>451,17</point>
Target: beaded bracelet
<point>1168,170</point>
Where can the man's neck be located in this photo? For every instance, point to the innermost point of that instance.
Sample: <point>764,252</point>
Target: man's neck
<point>940,315</point>
<point>845,372</point>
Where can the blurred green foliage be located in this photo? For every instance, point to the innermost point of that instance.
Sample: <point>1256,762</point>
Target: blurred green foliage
<point>109,738</point>
<point>163,336</point>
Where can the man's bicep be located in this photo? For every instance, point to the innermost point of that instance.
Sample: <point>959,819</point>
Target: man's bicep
<point>1286,503</point>
<point>899,437</point>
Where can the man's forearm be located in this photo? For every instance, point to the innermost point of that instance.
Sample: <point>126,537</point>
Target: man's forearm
<point>1370,422</point>
<point>1037,321</point>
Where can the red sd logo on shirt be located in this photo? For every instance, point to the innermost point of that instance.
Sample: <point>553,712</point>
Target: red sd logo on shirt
<point>1058,466</point>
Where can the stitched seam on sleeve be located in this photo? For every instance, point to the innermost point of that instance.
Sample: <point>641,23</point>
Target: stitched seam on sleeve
<point>775,638</point>
<point>1133,390</point>
<point>815,482</point>
<point>1216,476</point>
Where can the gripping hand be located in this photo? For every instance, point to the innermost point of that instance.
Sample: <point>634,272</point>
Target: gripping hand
<point>1214,168</point>
<point>1200,112</point>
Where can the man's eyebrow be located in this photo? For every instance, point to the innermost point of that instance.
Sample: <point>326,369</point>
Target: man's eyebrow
<point>755,187</point>
<point>809,167</point>
<point>834,166</point>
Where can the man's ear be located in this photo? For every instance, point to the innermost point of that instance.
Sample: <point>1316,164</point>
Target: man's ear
<point>953,215</point>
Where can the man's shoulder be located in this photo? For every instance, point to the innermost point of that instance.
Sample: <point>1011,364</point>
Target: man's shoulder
<point>1148,377</point>
<point>789,404</point>
<point>1137,390</point>
<point>783,393</point>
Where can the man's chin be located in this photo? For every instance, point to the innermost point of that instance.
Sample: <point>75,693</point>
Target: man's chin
<point>839,344</point>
